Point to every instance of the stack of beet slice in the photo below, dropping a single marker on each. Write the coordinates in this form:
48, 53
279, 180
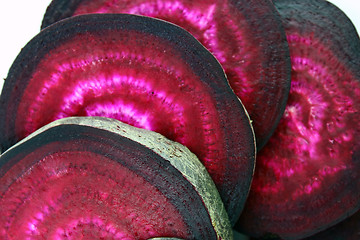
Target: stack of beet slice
98, 178
143, 71
179, 72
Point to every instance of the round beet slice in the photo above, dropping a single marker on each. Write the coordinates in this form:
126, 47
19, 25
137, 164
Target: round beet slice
247, 38
98, 178
307, 177
145, 72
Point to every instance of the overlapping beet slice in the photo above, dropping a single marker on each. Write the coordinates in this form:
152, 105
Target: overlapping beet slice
145, 72
247, 38
307, 177
98, 178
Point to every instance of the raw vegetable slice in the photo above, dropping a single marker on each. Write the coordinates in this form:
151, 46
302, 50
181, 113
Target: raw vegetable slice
98, 178
247, 38
145, 72
307, 177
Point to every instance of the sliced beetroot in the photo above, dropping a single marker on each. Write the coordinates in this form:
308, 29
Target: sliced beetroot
307, 177
247, 38
145, 72
98, 178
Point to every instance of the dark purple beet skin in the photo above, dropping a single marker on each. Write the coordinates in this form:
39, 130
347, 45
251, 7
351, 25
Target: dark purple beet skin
349, 229
247, 38
142, 71
73, 181
307, 176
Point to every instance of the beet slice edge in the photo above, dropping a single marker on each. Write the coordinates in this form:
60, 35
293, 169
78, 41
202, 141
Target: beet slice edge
349, 229
168, 166
307, 176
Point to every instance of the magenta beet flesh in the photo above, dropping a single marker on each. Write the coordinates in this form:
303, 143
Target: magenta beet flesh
307, 177
142, 71
82, 182
246, 37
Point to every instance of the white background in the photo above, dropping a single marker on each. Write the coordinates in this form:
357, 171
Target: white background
20, 21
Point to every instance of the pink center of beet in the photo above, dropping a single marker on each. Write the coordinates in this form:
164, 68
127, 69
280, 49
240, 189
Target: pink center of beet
306, 167
83, 195
133, 85
318, 125
213, 23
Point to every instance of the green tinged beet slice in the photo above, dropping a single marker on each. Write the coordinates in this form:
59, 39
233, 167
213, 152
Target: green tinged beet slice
247, 38
145, 72
98, 178
307, 177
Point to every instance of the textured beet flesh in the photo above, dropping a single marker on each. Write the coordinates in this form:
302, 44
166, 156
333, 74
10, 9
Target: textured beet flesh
80, 182
245, 36
307, 177
144, 72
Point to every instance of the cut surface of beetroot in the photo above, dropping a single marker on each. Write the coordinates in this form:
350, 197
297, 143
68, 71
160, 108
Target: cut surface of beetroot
307, 177
145, 72
246, 37
80, 178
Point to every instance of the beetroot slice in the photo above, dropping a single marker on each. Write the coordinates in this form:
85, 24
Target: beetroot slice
307, 177
97, 178
145, 72
246, 37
